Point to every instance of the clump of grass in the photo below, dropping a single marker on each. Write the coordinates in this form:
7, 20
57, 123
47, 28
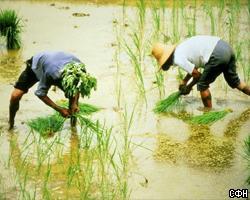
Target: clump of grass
247, 151
10, 28
209, 117
46, 126
169, 104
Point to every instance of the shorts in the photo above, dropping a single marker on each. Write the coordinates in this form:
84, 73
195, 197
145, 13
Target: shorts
27, 78
222, 60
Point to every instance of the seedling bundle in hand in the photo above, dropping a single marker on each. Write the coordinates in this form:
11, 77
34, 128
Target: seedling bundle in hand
85, 109
54, 123
209, 117
77, 80
169, 104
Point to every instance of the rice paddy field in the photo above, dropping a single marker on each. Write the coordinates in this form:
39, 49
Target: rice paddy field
122, 149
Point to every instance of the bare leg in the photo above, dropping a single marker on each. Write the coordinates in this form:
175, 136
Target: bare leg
72, 103
243, 87
206, 98
16, 96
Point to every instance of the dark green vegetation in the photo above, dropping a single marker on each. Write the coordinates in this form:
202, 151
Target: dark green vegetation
10, 27
75, 79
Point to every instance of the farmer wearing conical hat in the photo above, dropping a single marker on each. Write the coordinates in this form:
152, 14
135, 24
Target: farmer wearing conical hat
52, 68
211, 53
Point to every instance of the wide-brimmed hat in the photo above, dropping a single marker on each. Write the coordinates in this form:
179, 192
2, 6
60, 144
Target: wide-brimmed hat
162, 52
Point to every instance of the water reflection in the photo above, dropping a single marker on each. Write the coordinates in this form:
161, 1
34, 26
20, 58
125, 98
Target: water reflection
11, 62
50, 177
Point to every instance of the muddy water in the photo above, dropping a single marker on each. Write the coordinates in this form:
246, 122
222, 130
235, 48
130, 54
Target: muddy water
173, 161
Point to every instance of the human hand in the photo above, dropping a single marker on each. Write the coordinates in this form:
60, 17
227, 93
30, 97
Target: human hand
74, 109
65, 112
185, 90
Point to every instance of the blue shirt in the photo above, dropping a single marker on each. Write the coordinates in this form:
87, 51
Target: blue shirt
48, 66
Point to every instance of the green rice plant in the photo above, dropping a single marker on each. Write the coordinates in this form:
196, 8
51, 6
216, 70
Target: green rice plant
47, 125
137, 45
247, 156
209, 117
85, 109
220, 16
10, 27
188, 14
175, 22
45, 190
136, 63
208, 8
156, 15
86, 122
76, 80
169, 104
233, 21
157, 24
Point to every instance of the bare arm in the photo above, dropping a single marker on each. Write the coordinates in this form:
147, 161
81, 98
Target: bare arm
196, 76
186, 79
184, 88
63, 111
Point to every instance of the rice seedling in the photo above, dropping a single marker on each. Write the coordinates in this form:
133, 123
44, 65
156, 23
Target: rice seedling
118, 32
10, 27
169, 104
210, 12
220, 16
189, 17
46, 191
136, 63
85, 109
157, 24
47, 126
209, 117
76, 80
232, 21
175, 22
247, 156
136, 47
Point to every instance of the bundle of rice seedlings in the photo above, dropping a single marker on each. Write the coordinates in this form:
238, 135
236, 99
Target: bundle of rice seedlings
10, 28
85, 109
77, 80
46, 126
169, 104
209, 117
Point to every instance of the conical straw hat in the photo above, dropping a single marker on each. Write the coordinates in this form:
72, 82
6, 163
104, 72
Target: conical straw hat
162, 52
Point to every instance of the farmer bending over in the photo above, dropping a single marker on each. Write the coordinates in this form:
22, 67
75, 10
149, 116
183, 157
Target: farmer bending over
52, 68
211, 53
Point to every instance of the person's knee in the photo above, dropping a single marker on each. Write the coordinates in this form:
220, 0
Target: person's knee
202, 86
242, 86
16, 95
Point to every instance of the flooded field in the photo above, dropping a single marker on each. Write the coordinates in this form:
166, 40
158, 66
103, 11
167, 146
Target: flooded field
140, 154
